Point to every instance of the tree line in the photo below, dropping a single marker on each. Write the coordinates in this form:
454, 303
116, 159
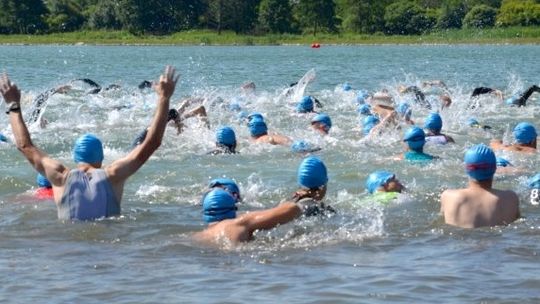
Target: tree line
259, 17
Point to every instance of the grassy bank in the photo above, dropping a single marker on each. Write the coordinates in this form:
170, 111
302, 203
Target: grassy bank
516, 35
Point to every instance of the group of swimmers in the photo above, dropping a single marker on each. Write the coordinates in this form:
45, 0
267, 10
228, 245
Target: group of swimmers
89, 191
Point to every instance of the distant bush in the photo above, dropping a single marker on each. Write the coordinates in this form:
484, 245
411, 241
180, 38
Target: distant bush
519, 12
480, 16
406, 18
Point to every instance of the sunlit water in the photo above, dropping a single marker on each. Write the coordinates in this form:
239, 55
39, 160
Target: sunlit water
364, 253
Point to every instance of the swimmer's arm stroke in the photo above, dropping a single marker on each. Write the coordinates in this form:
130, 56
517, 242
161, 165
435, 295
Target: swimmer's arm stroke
52, 169
121, 169
268, 219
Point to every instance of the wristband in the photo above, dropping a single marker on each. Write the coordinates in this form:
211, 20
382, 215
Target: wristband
13, 107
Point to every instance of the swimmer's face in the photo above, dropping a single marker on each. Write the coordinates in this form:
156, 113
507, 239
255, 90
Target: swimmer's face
393, 185
319, 127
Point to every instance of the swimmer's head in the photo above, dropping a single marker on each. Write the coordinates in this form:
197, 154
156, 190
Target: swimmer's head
369, 123
324, 120
305, 105
364, 109
225, 136
257, 128
383, 181
404, 110
534, 182
346, 87
302, 146
145, 84
480, 162
227, 184
235, 107
255, 115
433, 122
415, 139
218, 205
512, 100
3, 138
42, 181
173, 115
88, 149
312, 173
248, 86
525, 133
472, 122
502, 162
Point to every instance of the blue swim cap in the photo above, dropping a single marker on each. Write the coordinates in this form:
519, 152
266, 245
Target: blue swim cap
480, 162
404, 109
305, 105
524, 133
501, 162
433, 122
302, 146
312, 173
346, 87
257, 127
42, 181
324, 119
415, 138
369, 123
534, 182
3, 138
364, 109
226, 136
88, 149
255, 115
218, 205
512, 100
235, 107
377, 179
472, 122
226, 183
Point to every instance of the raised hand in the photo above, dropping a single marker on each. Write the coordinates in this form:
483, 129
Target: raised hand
9, 90
167, 83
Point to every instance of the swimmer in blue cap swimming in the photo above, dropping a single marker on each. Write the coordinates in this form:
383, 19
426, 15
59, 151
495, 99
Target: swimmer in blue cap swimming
259, 134
89, 192
415, 139
520, 100
3, 138
322, 123
44, 190
228, 185
384, 186
524, 137
433, 126
307, 104
404, 111
225, 141
302, 146
226, 227
479, 204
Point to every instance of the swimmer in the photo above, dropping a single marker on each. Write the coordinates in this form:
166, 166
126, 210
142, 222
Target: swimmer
219, 209
45, 190
525, 139
415, 139
364, 109
374, 126
306, 104
369, 124
479, 204
322, 123
362, 96
172, 116
473, 123
89, 192
405, 112
520, 100
3, 138
303, 147
419, 96
384, 186
433, 125
259, 134
475, 102
225, 141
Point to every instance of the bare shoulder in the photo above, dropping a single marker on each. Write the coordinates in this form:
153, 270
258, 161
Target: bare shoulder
452, 196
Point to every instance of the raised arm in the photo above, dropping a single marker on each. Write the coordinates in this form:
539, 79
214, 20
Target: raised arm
52, 169
121, 169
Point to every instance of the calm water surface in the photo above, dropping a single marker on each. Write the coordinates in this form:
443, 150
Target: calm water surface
366, 253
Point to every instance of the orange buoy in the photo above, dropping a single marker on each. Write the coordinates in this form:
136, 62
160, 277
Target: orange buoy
315, 45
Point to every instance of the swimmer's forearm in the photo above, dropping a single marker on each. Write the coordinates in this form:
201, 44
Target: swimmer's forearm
157, 127
20, 131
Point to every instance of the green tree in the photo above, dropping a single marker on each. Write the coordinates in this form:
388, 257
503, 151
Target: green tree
237, 15
316, 15
480, 16
275, 16
406, 18
452, 14
362, 16
23, 17
104, 15
522, 12
65, 16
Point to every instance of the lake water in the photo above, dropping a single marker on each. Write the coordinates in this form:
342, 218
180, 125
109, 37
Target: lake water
366, 253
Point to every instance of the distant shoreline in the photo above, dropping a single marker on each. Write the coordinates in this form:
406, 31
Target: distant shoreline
514, 35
